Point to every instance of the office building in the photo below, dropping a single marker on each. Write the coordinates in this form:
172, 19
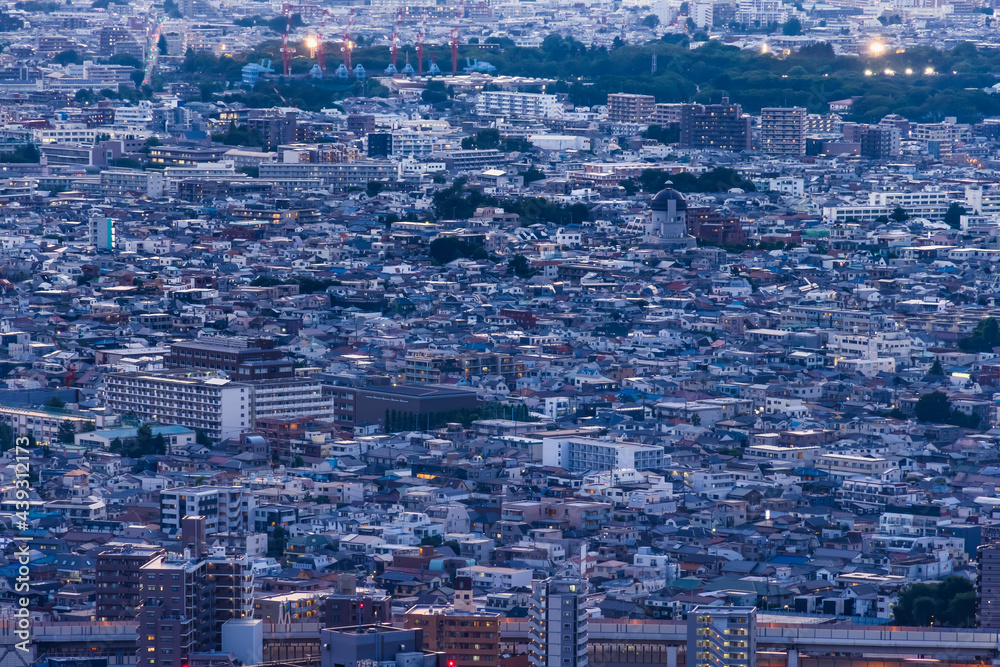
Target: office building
558, 623
591, 454
400, 404
205, 400
722, 637
226, 509
509, 104
723, 126
627, 108
988, 586
783, 131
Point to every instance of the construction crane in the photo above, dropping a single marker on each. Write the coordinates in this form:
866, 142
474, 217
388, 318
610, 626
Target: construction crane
347, 41
286, 50
394, 45
420, 45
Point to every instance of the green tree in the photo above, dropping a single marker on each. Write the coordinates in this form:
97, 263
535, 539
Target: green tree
202, 438
298, 461
933, 407
159, 444
953, 216
373, 188
449, 248
936, 368
434, 92
143, 436
55, 402
899, 214
651, 21
161, 45
67, 432
521, 267
6, 437
792, 27
984, 337
950, 602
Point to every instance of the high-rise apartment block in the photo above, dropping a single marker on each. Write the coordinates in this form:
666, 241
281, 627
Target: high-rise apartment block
226, 509
628, 108
517, 105
722, 637
722, 126
558, 623
205, 400
988, 586
783, 130
466, 638
179, 601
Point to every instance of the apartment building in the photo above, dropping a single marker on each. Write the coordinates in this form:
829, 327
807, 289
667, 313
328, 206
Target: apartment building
722, 637
205, 400
851, 465
988, 586
496, 578
509, 104
558, 627
44, 423
226, 509
586, 454
119, 581
723, 126
628, 108
783, 131
465, 637
430, 366
247, 359
336, 175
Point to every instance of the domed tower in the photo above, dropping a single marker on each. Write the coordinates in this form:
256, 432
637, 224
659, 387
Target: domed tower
668, 220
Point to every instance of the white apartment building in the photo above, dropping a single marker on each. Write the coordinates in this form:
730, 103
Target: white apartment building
867, 367
783, 130
205, 400
290, 398
851, 465
890, 344
517, 105
335, 175
583, 454
226, 509
408, 142
496, 578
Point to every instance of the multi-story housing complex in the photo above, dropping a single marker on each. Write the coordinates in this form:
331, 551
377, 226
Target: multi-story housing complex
723, 126
722, 637
557, 513
853, 465
201, 400
430, 366
243, 359
864, 321
226, 509
629, 108
988, 586
335, 175
466, 637
511, 104
586, 454
783, 130
187, 601
871, 495
557, 622
119, 581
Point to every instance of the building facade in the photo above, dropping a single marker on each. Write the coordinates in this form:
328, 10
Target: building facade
558, 623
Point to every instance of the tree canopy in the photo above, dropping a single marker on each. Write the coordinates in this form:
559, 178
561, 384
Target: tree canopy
951, 603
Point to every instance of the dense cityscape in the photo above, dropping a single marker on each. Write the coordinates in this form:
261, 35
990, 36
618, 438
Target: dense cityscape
499, 333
